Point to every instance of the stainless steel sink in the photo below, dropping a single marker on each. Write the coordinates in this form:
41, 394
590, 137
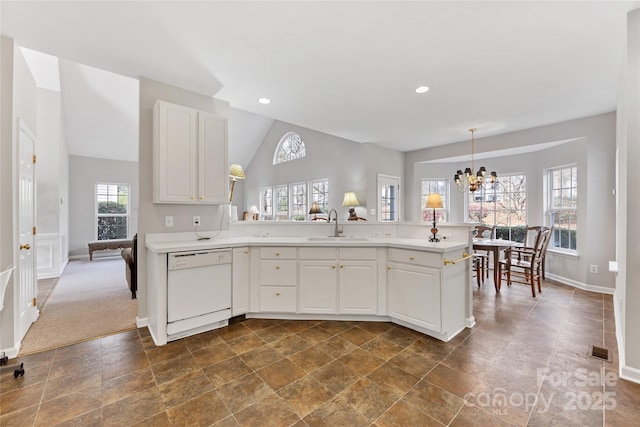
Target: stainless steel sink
338, 239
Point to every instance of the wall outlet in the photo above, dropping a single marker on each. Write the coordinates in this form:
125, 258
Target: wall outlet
196, 221
377, 234
387, 234
593, 268
446, 237
168, 221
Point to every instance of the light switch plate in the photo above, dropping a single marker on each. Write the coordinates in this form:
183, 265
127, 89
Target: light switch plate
168, 221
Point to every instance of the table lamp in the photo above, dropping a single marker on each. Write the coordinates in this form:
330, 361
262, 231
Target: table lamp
434, 201
351, 200
235, 173
315, 210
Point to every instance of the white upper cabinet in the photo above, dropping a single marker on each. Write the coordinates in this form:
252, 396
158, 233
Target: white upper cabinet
189, 155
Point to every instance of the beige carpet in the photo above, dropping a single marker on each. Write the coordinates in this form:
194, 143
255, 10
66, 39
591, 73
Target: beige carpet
90, 300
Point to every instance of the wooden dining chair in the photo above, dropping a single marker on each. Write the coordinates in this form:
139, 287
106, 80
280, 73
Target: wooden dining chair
523, 264
530, 235
484, 232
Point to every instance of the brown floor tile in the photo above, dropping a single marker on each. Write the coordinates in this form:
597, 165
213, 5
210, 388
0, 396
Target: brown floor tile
473, 416
336, 326
261, 357
393, 378
127, 385
561, 407
335, 376
273, 333
311, 359
382, 348
336, 413
290, 345
88, 361
181, 389
23, 417
315, 335
244, 391
272, 411
178, 367
297, 326
281, 373
401, 336
434, 401
158, 420
213, 354
204, 410
357, 336
167, 352
305, 395
234, 331
451, 380
376, 328
227, 371
257, 324
361, 362
246, 343
336, 347
413, 363
201, 341
69, 406
133, 409
402, 414
88, 419
369, 398
118, 367
21, 398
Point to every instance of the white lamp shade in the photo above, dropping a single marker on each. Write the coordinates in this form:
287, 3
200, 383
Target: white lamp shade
350, 199
236, 172
254, 210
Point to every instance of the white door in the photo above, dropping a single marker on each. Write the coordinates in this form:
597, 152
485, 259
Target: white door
388, 198
26, 296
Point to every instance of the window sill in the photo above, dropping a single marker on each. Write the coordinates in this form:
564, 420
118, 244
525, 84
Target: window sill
572, 255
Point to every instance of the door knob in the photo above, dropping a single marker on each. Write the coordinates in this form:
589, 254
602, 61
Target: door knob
26, 246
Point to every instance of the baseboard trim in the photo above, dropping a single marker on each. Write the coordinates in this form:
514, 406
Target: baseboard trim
580, 285
142, 322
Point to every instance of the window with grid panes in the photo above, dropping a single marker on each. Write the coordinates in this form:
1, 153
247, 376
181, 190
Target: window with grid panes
112, 211
439, 186
563, 207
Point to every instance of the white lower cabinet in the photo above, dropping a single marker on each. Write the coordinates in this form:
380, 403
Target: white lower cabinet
358, 281
414, 295
277, 280
318, 286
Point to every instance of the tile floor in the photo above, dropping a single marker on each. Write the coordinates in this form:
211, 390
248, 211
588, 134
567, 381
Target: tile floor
524, 363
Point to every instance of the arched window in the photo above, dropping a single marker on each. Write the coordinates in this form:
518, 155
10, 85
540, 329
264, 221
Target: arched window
290, 147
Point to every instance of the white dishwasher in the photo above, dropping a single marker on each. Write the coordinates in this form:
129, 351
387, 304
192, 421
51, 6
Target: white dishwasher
198, 292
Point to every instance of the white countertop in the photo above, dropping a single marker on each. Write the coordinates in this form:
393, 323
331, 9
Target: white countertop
160, 247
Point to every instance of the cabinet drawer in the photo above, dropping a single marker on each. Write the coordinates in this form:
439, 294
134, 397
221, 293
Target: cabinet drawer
277, 253
415, 257
318, 253
365, 254
278, 299
274, 272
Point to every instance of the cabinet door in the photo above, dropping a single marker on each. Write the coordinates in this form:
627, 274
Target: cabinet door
278, 299
414, 295
358, 287
175, 154
212, 159
240, 280
318, 280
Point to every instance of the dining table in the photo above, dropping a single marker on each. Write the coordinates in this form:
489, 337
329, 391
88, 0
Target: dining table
496, 246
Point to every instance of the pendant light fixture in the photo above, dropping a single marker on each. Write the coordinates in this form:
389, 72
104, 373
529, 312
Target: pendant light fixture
470, 178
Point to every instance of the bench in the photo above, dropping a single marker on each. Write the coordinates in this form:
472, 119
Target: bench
103, 245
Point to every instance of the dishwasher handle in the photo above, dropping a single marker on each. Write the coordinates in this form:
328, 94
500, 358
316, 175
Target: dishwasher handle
182, 260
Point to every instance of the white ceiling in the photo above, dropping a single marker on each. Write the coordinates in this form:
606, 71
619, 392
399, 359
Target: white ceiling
350, 68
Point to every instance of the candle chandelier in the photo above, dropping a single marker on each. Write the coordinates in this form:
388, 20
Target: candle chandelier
470, 178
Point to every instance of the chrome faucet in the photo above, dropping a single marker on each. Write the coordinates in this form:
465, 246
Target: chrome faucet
337, 231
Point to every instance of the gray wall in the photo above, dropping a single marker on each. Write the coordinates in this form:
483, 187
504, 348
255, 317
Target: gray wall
151, 216
348, 165
84, 174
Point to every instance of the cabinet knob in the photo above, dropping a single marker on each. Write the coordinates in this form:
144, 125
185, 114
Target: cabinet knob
333, 266
201, 198
192, 198
277, 267
342, 266
388, 267
246, 251
25, 246
277, 253
277, 294
411, 258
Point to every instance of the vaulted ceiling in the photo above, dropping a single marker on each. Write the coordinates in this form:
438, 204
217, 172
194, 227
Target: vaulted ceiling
350, 68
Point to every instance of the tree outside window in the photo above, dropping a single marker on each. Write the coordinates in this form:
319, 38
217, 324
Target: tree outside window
266, 203
112, 211
289, 148
319, 192
503, 205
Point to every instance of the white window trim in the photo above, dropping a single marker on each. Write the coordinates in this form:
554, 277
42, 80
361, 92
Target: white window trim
549, 211
393, 180
447, 195
285, 137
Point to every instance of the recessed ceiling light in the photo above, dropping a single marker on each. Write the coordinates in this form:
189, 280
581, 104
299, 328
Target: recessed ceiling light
264, 101
422, 89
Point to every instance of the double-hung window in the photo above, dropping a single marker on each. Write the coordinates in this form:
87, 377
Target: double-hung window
563, 207
112, 211
439, 186
266, 203
282, 202
299, 201
319, 193
503, 204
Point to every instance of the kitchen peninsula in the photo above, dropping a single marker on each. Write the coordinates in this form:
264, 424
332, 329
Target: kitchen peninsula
399, 278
